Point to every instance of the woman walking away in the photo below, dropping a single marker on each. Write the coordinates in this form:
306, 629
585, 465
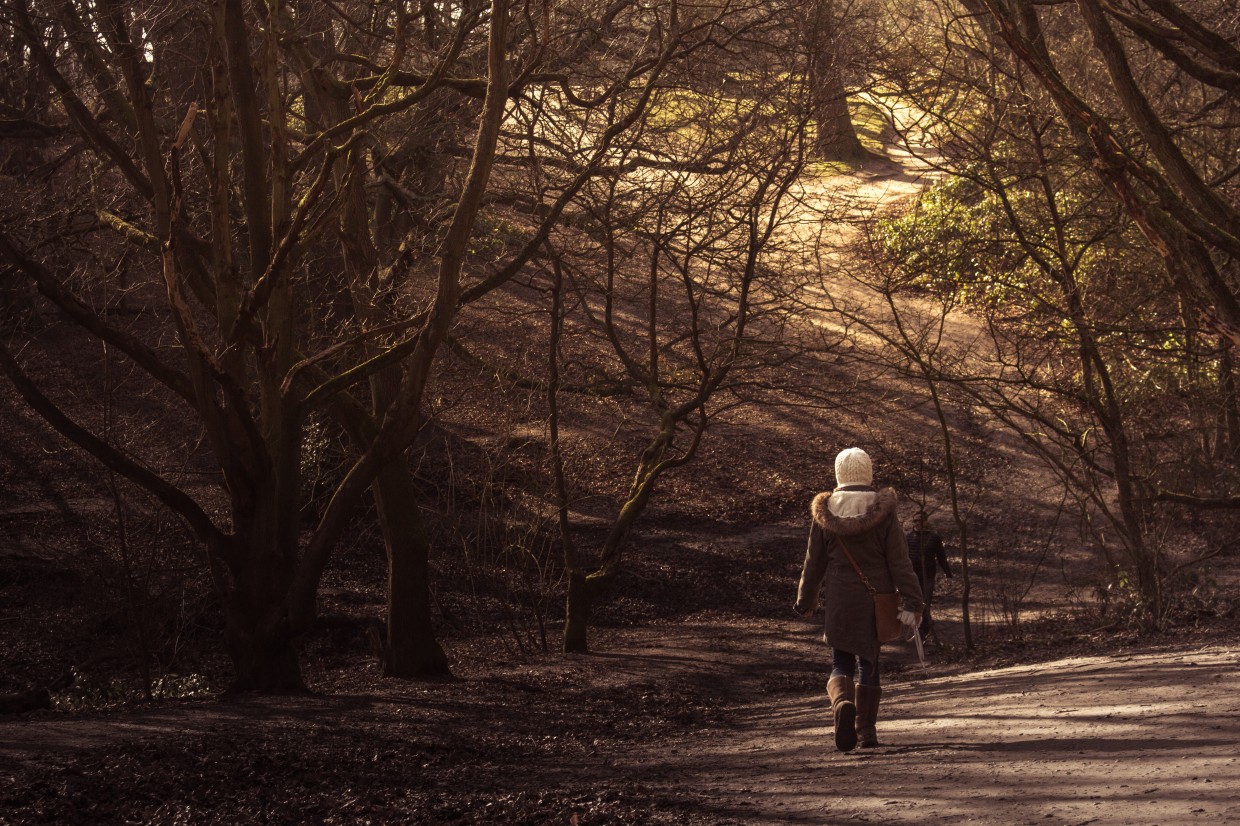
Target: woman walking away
858, 521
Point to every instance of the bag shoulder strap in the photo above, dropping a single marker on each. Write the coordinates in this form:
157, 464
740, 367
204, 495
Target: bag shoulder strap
864, 579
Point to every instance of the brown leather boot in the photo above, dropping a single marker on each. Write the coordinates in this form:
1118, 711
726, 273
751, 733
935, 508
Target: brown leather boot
867, 714
843, 711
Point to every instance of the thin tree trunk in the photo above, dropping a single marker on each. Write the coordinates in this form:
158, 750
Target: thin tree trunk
584, 591
577, 613
1227, 446
962, 526
577, 603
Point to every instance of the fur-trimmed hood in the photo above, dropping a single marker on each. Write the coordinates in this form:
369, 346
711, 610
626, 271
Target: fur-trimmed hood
883, 506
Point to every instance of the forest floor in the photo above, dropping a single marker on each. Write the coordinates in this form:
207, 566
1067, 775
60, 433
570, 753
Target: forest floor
701, 703
712, 719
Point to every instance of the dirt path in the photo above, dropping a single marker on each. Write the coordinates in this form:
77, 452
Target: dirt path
1147, 737
1143, 737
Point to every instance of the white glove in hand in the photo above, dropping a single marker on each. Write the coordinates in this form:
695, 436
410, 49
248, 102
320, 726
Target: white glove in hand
907, 618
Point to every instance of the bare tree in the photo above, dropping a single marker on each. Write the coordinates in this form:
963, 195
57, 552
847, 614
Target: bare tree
235, 280
1030, 237
667, 276
308, 198
1179, 189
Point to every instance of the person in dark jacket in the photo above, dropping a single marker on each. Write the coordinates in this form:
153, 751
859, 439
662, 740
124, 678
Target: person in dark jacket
855, 519
928, 556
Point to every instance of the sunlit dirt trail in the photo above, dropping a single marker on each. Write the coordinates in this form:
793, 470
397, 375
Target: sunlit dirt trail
1145, 737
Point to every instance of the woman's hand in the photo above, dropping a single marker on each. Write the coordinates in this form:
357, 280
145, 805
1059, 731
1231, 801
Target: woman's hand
907, 618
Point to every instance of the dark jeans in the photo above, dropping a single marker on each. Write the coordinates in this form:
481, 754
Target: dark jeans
844, 664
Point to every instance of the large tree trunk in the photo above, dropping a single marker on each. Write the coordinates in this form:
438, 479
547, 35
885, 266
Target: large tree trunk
265, 663
261, 640
411, 649
836, 138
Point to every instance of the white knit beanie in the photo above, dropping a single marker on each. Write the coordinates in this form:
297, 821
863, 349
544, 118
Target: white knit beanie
852, 467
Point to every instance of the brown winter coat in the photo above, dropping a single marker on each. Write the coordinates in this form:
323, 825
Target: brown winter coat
877, 544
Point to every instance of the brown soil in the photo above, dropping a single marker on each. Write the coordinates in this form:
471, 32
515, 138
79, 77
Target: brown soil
715, 719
